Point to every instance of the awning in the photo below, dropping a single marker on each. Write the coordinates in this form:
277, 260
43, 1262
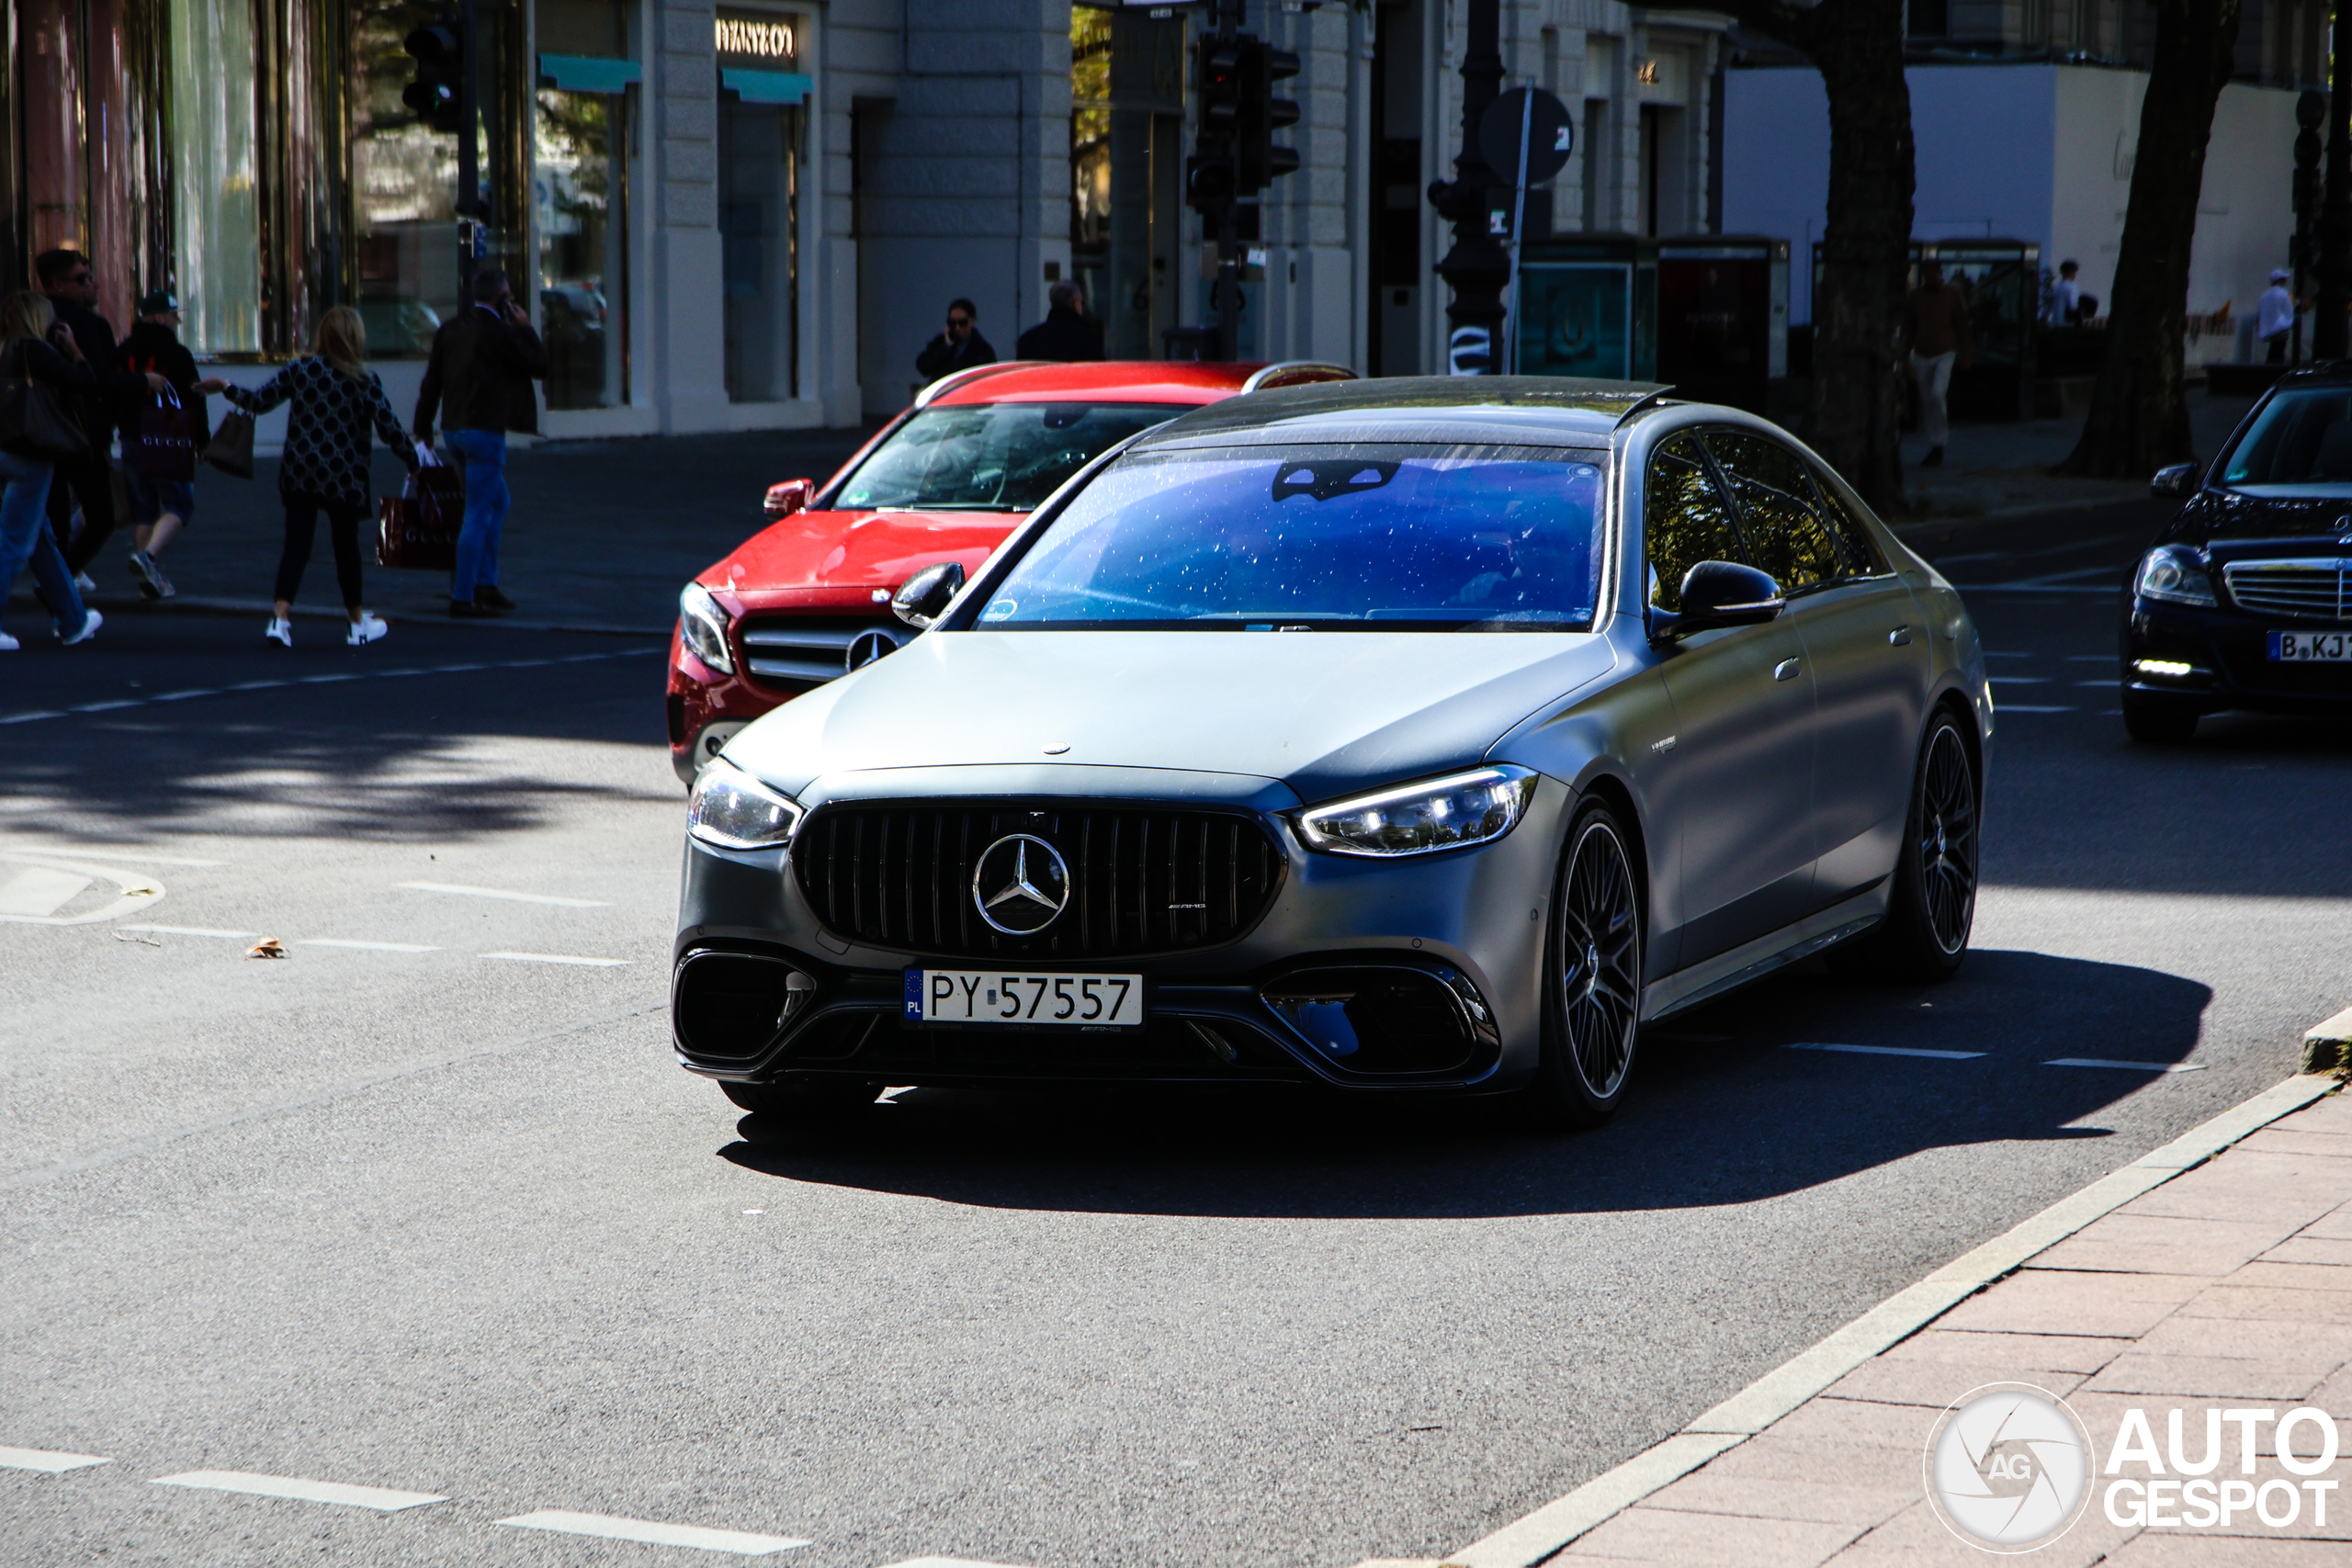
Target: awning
589, 73
766, 87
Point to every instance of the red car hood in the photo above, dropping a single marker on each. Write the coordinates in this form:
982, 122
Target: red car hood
825, 556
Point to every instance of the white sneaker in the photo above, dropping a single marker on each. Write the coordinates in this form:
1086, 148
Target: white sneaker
280, 631
8, 643
366, 629
91, 621
82, 581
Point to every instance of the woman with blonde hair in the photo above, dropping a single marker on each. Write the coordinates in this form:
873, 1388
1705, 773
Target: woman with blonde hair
336, 403
33, 348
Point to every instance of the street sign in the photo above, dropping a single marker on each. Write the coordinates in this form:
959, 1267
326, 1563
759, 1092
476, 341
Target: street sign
1551, 135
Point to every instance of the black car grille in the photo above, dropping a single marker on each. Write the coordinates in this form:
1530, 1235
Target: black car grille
1141, 880
792, 653
2305, 590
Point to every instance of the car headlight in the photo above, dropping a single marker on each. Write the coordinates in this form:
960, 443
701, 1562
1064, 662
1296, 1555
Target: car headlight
2174, 573
703, 624
1420, 818
735, 811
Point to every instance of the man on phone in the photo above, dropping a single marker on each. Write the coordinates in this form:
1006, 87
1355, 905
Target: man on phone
960, 347
88, 477
479, 377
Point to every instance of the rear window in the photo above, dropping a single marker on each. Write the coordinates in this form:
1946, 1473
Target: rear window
2299, 445
990, 456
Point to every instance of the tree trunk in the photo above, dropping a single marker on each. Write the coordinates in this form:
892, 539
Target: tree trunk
2139, 418
1865, 248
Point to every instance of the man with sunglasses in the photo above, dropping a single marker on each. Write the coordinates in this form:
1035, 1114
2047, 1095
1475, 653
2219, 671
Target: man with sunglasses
88, 478
960, 347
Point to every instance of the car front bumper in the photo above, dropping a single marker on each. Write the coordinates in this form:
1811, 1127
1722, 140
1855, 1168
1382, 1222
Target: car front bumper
2227, 650
1458, 935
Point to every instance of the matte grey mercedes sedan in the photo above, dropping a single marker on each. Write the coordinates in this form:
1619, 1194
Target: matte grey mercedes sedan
1406, 734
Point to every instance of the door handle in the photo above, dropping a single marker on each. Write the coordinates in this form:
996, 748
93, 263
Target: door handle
1899, 637
1786, 670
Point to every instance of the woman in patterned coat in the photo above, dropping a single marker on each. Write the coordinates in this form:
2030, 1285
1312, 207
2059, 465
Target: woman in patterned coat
337, 401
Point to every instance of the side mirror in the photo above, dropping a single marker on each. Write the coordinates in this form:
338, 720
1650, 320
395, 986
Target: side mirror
1719, 593
2177, 482
791, 496
924, 598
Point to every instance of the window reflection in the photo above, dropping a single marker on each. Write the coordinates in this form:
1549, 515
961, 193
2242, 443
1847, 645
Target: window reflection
216, 204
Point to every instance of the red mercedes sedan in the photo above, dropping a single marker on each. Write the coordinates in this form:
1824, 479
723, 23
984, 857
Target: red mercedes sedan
809, 598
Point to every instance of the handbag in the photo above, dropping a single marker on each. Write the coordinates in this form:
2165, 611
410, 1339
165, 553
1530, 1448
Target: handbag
33, 424
167, 445
231, 450
417, 530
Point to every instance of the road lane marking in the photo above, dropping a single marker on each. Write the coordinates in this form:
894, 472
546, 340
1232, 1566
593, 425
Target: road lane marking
364, 946
383, 1499
2134, 1066
192, 931
946, 1563
242, 686
133, 892
29, 718
2035, 707
109, 708
2020, 679
560, 958
49, 1461
40, 892
470, 891
1891, 1051
183, 696
76, 852
607, 1528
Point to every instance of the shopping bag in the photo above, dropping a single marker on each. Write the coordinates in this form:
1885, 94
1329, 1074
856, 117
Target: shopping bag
231, 450
417, 530
167, 445
34, 423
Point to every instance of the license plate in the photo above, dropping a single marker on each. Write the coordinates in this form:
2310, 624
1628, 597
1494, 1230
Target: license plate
2329, 647
1028, 1000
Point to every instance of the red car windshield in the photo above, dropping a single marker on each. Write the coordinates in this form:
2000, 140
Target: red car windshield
990, 456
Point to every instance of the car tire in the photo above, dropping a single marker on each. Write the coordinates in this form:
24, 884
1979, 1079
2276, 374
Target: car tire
1933, 905
804, 1101
2157, 721
1592, 979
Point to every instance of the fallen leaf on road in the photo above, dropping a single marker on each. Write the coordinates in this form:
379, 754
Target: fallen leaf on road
268, 947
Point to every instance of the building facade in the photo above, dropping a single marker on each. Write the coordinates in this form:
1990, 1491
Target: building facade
751, 214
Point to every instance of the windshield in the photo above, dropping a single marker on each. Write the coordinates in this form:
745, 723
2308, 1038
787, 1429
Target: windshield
992, 457
2299, 445
1385, 537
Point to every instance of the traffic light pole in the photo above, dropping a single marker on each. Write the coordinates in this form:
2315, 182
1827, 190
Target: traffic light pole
468, 161
1476, 268
1228, 14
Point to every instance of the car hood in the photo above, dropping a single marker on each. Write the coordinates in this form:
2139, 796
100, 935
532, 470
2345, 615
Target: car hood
2225, 518
1324, 712
858, 549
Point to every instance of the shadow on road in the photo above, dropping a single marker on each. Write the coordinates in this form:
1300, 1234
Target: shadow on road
1722, 1112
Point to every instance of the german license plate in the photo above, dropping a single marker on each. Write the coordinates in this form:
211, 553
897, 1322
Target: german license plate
1028, 1000
2329, 647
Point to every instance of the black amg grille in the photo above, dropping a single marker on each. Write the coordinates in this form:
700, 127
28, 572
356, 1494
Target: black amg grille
1141, 880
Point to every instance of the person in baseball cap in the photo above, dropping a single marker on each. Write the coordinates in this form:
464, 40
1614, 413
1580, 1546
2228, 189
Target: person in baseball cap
161, 504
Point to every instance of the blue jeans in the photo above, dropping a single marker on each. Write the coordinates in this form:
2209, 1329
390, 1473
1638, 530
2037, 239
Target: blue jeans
487, 499
25, 537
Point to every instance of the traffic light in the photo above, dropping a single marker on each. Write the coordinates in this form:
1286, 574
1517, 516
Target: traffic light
1210, 180
440, 52
1259, 162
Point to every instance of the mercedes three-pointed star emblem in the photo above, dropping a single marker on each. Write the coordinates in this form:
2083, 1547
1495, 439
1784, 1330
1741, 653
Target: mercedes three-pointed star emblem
867, 647
1021, 884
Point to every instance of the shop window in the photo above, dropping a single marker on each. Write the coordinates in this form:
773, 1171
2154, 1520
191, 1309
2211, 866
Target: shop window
762, 98
216, 207
581, 139
1126, 163
56, 176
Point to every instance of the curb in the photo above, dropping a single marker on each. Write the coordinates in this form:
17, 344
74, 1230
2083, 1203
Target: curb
2327, 1047
183, 603
1529, 1539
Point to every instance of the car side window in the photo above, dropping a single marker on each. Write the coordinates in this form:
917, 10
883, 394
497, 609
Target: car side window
1785, 534
1854, 541
1685, 519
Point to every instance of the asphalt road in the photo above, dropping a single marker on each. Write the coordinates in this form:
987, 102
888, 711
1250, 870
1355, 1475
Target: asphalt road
438, 1214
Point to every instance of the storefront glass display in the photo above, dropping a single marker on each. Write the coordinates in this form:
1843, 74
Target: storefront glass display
760, 95
581, 138
216, 205
1125, 161
51, 76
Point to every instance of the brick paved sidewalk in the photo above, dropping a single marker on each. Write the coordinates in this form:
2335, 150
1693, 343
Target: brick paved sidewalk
2230, 1284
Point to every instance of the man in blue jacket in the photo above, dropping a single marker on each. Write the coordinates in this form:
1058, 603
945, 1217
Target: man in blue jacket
485, 360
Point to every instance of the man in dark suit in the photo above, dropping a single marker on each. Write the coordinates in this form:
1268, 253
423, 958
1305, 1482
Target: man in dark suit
960, 347
88, 479
485, 360
1066, 333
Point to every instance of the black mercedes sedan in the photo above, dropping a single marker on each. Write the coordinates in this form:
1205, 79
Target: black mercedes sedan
2244, 600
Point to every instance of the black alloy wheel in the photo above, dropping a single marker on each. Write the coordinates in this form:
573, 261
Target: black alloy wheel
1593, 996
1932, 905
